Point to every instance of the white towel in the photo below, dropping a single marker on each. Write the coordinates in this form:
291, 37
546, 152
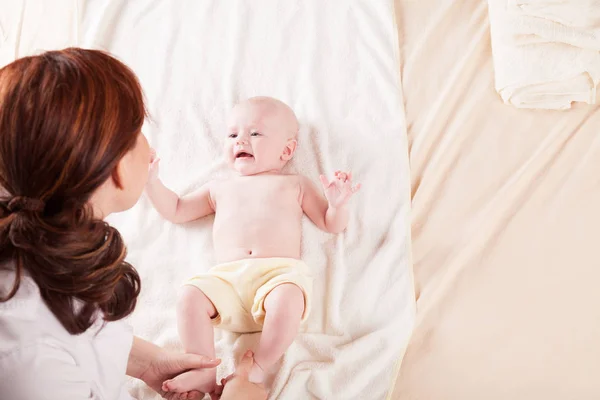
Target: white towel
574, 13
31, 26
573, 22
541, 63
335, 63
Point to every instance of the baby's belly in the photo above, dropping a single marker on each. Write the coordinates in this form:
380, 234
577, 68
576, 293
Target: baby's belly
238, 243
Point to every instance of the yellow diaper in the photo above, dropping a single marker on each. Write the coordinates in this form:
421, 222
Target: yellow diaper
238, 289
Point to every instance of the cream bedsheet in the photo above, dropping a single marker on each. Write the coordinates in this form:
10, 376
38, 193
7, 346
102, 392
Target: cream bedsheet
506, 219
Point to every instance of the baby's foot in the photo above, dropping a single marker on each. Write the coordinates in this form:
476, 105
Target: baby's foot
202, 380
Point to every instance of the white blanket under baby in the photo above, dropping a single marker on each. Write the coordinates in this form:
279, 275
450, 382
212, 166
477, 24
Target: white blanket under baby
335, 63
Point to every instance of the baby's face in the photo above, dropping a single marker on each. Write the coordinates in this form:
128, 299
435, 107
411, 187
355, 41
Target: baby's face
260, 138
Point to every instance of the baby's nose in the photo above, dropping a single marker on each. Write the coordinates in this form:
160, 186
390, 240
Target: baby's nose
241, 141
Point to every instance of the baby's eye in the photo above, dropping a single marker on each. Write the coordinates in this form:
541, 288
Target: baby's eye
255, 134
233, 135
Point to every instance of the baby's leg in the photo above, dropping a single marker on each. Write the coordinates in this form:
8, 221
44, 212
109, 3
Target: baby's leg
284, 307
194, 313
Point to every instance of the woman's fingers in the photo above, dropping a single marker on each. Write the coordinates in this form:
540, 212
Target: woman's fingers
245, 365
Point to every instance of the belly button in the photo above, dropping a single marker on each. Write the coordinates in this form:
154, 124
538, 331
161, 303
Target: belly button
249, 252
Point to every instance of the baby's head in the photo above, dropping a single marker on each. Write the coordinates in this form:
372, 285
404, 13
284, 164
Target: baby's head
261, 136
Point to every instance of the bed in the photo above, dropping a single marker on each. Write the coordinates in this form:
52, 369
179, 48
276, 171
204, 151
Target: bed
487, 290
504, 225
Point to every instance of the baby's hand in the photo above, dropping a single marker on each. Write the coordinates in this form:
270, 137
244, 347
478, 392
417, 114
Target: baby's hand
153, 166
340, 189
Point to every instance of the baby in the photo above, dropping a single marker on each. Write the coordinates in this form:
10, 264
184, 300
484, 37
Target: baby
260, 283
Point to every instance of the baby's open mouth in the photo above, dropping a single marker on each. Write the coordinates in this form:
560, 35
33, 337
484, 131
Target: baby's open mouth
243, 154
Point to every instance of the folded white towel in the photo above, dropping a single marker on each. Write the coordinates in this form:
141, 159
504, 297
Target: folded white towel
575, 13
531, 22
540, 63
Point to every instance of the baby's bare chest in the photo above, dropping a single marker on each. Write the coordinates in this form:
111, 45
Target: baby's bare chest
262, 196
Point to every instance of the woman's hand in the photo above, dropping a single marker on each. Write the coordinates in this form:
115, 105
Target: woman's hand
236, 386
172, 364
154, 365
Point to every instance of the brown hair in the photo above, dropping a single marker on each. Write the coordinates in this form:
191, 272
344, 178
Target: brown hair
66, 119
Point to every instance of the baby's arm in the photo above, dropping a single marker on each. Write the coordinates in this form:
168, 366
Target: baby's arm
328, 213
173, 208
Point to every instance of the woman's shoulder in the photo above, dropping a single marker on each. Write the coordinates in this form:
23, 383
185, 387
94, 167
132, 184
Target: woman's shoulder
39, 359
30, 344
26, 303
25, 318
41, 370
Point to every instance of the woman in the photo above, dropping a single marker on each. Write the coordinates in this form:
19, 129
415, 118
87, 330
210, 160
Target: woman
71, 153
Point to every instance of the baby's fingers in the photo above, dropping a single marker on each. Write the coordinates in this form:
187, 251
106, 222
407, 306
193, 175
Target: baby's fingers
342, 176
324, 181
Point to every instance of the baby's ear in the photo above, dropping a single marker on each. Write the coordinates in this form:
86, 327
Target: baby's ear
288, 151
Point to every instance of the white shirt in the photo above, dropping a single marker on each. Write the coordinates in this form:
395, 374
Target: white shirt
40, 360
